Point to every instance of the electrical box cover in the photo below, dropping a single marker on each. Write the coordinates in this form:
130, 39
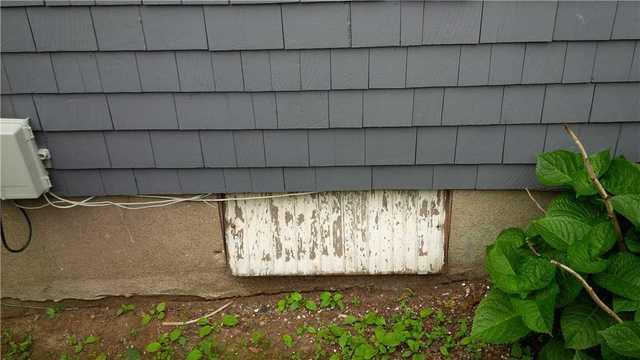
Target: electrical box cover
22, 172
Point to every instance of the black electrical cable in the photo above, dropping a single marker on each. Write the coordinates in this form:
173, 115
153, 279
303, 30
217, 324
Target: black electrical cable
4, 241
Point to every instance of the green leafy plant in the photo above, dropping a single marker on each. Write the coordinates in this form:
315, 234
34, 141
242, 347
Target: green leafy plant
125, 308
572, 277
331, 301
16, 349
207, 347
79, 344
259, 339
53, 311
158, 312
291, 302
407, 334
164, 347
229, 320
132, 354
287, 340
295, 301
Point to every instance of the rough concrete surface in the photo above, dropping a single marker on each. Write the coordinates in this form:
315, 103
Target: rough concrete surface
87, 253
477, 217
91, 252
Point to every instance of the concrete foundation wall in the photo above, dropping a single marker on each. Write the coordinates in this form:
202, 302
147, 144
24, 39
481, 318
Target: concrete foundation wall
88, 253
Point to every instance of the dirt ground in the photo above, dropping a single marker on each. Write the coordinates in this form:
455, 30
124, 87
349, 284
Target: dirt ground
94, 330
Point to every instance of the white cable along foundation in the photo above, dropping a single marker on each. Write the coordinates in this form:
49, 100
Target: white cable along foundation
63, 203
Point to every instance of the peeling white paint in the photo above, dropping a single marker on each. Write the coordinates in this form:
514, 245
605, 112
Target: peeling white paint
375, 232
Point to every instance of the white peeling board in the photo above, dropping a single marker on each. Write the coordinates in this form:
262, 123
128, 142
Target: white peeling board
374, 232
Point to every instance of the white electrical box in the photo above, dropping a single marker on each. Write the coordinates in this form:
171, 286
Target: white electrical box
22, 172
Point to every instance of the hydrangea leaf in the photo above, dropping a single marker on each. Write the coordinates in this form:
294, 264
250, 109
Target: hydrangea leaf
496, 321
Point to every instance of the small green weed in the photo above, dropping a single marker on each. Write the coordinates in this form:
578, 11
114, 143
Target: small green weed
164, 347
79, 344
125, 308
331, 301
17, 349
53, 311
259, 339
158, 312
327, 300
290, 302
407, 334
229, 320
206, 349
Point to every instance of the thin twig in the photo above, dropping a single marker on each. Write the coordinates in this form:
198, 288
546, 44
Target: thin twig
533, 249
180, 323
589, 290
535, 201
601, 191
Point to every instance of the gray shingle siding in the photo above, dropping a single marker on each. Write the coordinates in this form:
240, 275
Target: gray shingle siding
518, 21
270, 96
584, 20
322, 69
316, 26
492, 105
118, 27
451, 22
16, 31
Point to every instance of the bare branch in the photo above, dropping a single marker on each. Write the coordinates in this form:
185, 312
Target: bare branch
180, 323
535, 201
601, 191
589, 290
533, 249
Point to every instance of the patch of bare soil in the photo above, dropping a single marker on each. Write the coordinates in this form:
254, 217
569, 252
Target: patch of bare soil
444, 312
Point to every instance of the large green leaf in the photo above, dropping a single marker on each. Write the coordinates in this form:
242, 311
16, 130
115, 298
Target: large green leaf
580, 324
581, 260
601, 162
601, 238
624, 338
496, 321
581, 355
501, 265
570, 288
511, 237
557, 168
535, 273
632, 240
564, 168
537, 312
623, 177
516, 271
554, 350
608, 353
560, 231
582, 183
584, 255
513, 269
629, 206
621, 304
566, 205
622, 276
